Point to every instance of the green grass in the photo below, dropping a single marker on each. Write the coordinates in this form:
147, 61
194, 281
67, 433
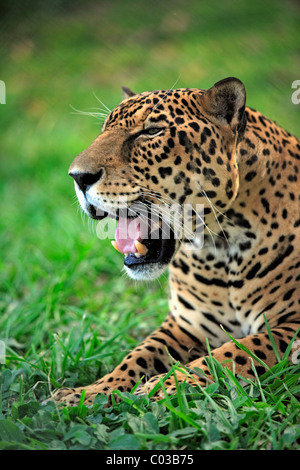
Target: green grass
68, 314
225, 415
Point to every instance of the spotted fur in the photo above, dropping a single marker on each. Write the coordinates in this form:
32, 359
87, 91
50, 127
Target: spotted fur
209, 149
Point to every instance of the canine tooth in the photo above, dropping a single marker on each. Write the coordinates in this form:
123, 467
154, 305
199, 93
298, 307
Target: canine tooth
115, 245
142, 249
137, 255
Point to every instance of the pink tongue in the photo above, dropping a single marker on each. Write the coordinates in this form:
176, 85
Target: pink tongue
128, 230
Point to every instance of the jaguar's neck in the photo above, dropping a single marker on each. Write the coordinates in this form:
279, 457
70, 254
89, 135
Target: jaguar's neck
267, 168
251, 239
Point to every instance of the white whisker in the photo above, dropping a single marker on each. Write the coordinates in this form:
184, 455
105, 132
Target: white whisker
218, 222
145, 218
98, 99
162, 211
165, 211
100, 116
212, 204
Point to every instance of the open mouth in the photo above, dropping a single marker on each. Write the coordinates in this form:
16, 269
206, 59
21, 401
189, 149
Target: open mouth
144, 240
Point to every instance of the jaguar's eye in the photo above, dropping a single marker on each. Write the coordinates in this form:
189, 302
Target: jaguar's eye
152, 130
149, 132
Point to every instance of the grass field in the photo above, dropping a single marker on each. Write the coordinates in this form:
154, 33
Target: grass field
68, 314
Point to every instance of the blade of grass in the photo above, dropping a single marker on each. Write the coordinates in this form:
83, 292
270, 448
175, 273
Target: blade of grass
271, 338
258, 380
238, 386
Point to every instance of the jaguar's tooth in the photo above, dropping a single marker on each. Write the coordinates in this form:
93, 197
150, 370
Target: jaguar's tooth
137, 255
142, 249
115, 245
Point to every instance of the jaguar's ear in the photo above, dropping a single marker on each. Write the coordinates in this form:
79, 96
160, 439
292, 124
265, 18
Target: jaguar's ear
224, 104
126, 93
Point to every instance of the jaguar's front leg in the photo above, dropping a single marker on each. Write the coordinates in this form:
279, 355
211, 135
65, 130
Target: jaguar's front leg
233, 357
152, 357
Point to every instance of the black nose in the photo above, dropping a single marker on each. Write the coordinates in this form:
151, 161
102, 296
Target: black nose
84, 180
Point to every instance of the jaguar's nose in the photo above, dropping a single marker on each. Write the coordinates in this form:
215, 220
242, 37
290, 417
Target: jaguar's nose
84, 180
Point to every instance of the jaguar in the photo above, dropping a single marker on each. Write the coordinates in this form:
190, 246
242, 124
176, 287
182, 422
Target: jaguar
234, 273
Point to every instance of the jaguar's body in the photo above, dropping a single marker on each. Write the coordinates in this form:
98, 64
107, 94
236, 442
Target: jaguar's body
192, 147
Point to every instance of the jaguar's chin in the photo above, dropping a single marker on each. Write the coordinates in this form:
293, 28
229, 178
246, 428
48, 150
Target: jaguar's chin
145, 272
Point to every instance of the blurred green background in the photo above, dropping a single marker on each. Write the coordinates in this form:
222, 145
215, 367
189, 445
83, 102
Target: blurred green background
62, 54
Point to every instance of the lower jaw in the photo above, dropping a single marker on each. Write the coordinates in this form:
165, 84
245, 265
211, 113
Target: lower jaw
140, 269
154, 263
145, 272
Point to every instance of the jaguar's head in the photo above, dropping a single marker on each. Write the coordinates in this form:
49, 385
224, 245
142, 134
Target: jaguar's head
160, 157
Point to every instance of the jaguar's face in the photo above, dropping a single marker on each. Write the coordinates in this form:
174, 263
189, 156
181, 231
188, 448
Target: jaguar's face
156, 158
